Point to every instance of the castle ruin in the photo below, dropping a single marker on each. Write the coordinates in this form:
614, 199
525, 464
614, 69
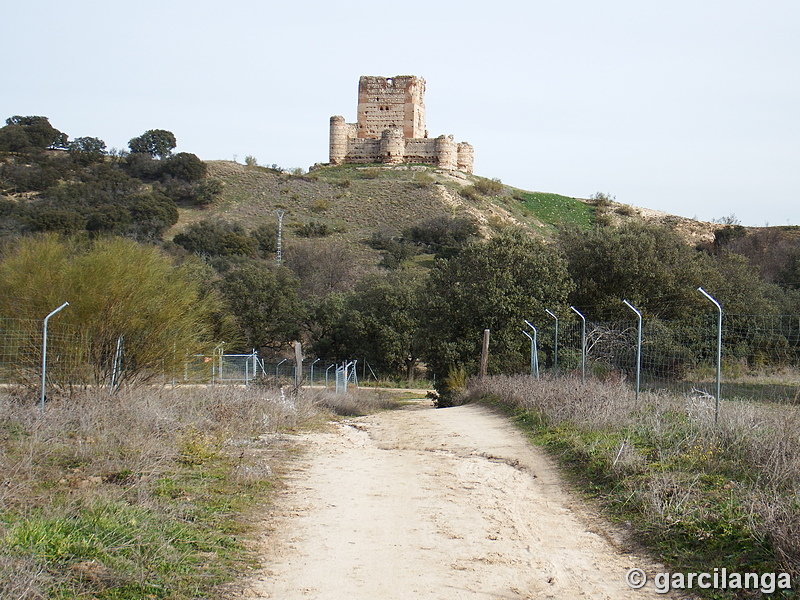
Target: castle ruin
391, 128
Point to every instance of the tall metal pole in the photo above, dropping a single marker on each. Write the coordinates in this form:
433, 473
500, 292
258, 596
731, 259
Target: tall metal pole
583, 344
555, 349
638, 347
719, 349
44, 351
280, 237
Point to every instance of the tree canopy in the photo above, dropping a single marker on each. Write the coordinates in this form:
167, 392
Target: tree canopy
30, 134
158, 143
492, 285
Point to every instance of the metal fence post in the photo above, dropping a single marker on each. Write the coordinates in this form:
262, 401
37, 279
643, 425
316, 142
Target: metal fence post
534, 351
44, 350
583, 344
638, 347
326, 374
117, 365
312, 370
719, 350
276, 370
555, 347
534, 360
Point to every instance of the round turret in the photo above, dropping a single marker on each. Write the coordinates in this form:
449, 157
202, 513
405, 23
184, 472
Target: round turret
466, 157
447, 152
338, 148
393, 146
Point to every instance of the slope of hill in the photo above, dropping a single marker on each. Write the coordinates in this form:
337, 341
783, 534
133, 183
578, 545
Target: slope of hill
354, 201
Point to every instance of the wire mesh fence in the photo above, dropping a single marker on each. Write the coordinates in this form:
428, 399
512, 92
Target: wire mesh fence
760, 353
21, 343
760, 357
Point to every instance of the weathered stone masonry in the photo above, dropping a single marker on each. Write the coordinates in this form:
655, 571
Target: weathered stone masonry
391, 128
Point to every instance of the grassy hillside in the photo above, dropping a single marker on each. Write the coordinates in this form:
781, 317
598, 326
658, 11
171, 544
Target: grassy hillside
354, 201
351, 202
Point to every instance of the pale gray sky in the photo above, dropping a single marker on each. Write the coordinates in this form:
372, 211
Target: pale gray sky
687, 106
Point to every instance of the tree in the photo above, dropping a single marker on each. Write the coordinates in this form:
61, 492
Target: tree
151, 214
489, 285
650, 265
208, 191
378, 321
185, 166
264, 302
87, 150
116, 289
444, 235
30, 134
266, 237
216, 238
323, 266
158, 143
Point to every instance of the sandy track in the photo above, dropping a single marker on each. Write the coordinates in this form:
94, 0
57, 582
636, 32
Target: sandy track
445, 504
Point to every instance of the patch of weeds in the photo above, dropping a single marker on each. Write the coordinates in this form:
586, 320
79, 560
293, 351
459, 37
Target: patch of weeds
312, 229
197, 447
488, 187
111, 549
320, 205
471, 193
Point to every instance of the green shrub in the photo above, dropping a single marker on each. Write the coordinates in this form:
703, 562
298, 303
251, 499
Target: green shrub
312, 229
116, 289
488, 187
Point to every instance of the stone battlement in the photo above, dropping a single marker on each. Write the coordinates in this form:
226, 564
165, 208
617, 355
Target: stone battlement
391, 128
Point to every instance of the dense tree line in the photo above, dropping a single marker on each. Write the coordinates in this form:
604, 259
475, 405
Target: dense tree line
49, 183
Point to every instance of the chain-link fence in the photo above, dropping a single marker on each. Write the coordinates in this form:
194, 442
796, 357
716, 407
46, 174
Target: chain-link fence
70, 363
760, 354
21, 343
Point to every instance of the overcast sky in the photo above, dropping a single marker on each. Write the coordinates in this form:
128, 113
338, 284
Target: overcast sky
687, 106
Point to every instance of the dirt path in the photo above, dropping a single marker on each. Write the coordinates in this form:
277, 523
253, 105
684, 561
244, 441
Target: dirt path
440, 504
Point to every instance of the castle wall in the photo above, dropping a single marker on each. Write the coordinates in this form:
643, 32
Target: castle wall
363, 151
421, 151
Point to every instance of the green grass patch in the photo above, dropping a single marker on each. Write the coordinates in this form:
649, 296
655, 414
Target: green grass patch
181, 545
555, 209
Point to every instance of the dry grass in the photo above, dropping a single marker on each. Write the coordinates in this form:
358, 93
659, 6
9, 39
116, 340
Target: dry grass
357, 402
145, 493
697, 491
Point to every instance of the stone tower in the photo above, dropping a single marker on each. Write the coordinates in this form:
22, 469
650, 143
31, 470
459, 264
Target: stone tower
391, 103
